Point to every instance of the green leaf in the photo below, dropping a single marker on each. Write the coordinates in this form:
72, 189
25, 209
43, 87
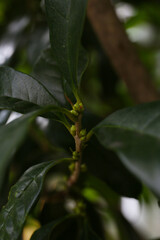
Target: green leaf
82, 63
22, 197
66, 20
12, 136
22, 93
44, 232
133, 133
88, 234
47, 72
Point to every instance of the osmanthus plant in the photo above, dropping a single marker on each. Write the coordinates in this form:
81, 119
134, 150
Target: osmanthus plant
53, 91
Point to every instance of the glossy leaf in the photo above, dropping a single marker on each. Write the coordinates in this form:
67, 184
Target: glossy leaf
133, 133
44, 232
22, 197
82, 63
46, 71
20, 92
12, 136
65, 19
88, 233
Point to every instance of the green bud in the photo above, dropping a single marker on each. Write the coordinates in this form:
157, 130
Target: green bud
83, 139
75, 155
83, 168
81, 106
83, 133
73, 130
75, 113
71, 167
76, 107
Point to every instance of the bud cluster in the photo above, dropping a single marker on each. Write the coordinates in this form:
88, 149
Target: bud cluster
83, 134
77, 109
75, 155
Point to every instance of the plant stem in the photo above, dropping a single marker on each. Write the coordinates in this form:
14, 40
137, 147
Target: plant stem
121, 51
78, 145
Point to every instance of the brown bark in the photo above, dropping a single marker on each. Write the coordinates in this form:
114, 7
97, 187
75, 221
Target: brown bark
120, 51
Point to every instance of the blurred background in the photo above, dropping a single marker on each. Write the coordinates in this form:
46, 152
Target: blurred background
24, 35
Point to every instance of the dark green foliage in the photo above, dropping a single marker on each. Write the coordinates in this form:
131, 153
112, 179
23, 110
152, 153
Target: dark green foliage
66, 23
22, 197
111, 170
11, 137
45, 232
87, 233
46, 71
130, 133
104, 156
18, 88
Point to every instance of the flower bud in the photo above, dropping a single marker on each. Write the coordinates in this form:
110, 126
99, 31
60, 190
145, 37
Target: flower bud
83, 139
75, 113
83, 133
75, 155
83, 168
76, 107
73, 130
71, 167
81, 106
